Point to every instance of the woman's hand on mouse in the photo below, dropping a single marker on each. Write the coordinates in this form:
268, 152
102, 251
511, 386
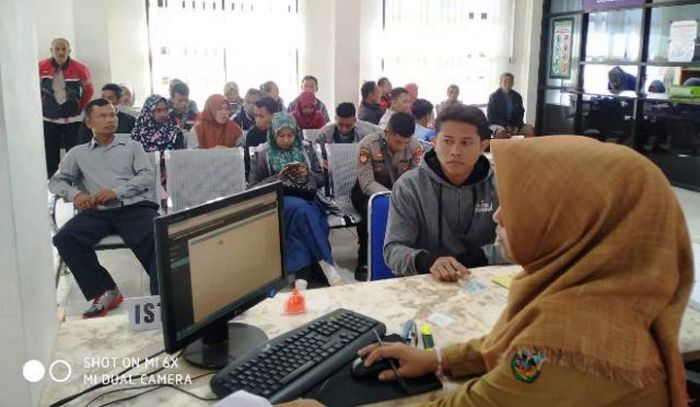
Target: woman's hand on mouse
413, 362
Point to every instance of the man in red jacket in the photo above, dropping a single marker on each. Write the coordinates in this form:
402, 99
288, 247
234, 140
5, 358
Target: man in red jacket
66, 88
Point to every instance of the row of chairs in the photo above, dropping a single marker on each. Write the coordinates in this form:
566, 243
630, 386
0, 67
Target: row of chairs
196, 176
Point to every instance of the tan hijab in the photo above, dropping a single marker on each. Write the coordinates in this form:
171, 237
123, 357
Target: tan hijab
606, 256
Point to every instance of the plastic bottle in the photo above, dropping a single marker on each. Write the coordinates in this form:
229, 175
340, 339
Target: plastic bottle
296, 304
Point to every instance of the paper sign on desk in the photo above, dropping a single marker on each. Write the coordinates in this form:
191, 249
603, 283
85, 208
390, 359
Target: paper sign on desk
695, 294
144, 313
503, 280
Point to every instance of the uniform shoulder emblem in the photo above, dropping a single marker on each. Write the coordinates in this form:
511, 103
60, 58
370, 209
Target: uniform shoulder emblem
526, 364
364, 155
418, 153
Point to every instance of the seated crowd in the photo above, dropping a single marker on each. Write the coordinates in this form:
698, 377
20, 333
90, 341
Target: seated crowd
445, 217
449, 179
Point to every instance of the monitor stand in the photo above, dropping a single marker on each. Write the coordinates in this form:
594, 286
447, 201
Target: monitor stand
222, 343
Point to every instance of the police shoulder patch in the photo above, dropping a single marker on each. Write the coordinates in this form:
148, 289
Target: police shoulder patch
526, 364
364, 155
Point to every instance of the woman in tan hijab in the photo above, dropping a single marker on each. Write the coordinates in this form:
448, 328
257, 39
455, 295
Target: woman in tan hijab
216, 130
594, 317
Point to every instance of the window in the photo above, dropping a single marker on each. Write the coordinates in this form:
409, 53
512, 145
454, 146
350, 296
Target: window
438, 42
661, 20
614, 35
207, 43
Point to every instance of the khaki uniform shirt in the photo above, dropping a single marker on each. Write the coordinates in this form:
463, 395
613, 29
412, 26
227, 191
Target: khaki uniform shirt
508, 384
376, 163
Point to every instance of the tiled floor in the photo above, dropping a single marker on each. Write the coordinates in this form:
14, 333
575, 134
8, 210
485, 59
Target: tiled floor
132, 281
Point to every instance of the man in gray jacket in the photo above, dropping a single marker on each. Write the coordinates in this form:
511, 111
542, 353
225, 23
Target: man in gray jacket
346, 128
441, 215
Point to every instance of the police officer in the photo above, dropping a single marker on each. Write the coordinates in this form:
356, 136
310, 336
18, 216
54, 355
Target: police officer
382, 158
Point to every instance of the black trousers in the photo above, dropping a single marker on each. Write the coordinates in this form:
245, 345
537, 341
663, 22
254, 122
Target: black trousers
55, 136
360, 201
75, 241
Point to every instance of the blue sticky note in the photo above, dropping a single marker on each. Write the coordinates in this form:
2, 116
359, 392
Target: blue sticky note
474, 287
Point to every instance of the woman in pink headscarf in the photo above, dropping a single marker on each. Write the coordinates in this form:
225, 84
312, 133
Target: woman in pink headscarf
306, 114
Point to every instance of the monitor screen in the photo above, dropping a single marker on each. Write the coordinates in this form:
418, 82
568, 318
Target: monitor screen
218, 260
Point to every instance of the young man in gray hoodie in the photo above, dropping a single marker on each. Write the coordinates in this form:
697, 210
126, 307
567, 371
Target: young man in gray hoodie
441, 215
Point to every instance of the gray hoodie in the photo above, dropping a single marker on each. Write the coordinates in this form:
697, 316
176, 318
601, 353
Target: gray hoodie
430, 217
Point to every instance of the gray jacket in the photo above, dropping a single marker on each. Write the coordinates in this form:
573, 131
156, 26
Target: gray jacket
362, 129
429, 214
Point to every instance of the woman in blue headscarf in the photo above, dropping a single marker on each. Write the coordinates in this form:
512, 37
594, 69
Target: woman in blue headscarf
284, 157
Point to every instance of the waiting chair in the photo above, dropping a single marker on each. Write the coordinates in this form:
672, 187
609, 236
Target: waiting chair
342, 169
191, 140
199, 176
378, 215
311, 134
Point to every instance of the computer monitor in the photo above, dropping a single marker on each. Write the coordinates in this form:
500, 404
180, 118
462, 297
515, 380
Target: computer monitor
214, 262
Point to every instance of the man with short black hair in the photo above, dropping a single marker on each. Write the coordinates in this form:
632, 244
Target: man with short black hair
441, 214
370, 109
264, 109
423, 114
310, 84
400, 102
246, 116
110, 179
183, 111
381, 159
385, 89
125, 122
66, 88
506, 111
346, 129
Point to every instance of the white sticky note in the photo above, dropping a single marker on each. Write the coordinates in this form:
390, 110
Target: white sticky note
440, 320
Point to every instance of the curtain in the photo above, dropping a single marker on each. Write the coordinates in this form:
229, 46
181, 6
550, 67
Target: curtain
435, 43
207, 43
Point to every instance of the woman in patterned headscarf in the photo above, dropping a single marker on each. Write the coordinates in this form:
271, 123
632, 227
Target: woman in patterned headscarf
594, 316
286, 158
155, 131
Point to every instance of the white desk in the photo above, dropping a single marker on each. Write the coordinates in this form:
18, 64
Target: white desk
391, 301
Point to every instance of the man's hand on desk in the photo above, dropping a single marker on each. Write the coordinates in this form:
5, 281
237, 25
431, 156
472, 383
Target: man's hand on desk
413, 361
448, 269
104, 196
84, 202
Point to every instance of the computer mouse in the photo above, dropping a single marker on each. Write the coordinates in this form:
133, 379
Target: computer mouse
359, 370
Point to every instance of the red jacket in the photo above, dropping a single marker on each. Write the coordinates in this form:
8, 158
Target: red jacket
385, 102
79, 88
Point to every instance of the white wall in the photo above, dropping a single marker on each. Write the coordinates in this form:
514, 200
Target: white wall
347, 51
370, 38
525, 65
27, 293
92, 39
54, 18
317, 51
128, 46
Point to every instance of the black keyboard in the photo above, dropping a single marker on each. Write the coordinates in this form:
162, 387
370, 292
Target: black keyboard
286, 367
